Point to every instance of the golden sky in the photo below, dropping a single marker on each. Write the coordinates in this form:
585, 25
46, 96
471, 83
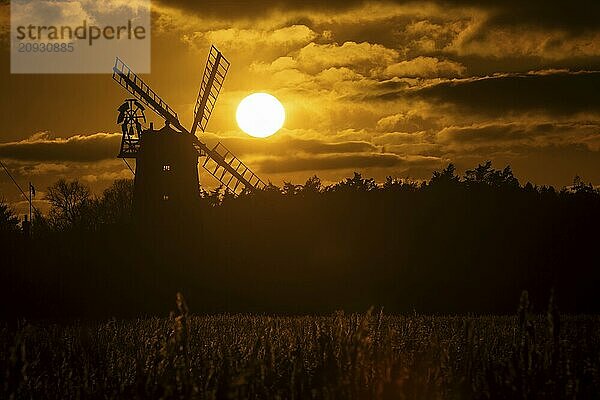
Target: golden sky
384, 88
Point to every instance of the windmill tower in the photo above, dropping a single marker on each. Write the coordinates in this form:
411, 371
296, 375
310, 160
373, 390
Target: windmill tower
166, 171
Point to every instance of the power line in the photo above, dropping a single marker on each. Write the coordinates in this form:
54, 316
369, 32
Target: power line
17, 185
13, 179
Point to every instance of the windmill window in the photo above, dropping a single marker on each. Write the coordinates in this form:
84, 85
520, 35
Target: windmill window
166, 167
165, 197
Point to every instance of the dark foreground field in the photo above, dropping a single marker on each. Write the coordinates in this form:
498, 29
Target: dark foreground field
340, 356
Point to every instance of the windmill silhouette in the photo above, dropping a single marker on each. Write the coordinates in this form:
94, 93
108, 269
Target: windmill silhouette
166, 172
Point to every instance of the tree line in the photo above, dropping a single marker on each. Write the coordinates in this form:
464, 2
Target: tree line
467, 243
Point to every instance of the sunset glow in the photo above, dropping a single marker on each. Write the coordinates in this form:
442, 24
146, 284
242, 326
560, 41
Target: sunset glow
385, 88
357, 199
260, 115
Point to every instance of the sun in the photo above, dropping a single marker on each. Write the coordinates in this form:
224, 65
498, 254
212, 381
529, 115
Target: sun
260, 115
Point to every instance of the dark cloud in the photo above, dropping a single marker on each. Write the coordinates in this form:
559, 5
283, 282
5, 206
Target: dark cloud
341, 161
245, 9
575, 16
557, 93
97, 147
411, 121
283, 144
517, 140
103, 146
481, 65
493, 133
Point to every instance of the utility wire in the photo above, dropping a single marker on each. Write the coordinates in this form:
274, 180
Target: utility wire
17, 185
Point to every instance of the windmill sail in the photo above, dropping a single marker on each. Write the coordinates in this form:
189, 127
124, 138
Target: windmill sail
225, 167
125, 77
219, 162
212, 82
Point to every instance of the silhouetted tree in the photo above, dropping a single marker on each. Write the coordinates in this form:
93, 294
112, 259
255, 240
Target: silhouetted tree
485, 174
548, 190
212, 197
290, 189
579, 186
445, 177
68, 200
312, 186
40, 224
479, 174
392, 184
272, 188
357, 184
529, 188
447, 245
9, 222
116, 202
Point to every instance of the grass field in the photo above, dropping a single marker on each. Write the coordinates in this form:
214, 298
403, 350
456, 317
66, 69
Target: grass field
340, 356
